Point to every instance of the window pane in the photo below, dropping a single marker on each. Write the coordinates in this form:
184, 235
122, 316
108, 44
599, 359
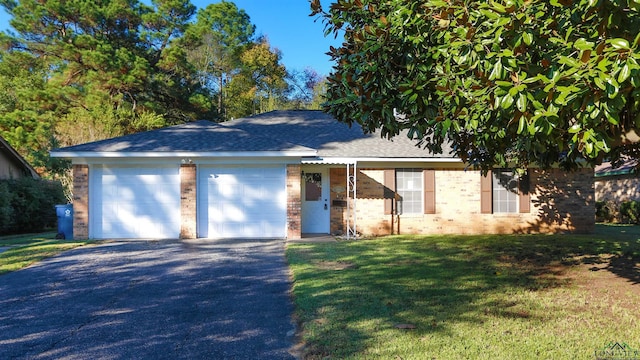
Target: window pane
505, 192
312, 186
409, 188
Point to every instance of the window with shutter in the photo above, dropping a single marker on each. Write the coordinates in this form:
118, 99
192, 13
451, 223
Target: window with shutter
501, 191
409, 191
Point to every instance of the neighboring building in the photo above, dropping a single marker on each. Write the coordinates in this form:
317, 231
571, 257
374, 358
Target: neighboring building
12, 165
287, 173
617, 184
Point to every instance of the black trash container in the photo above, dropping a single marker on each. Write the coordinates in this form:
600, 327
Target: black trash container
65, 221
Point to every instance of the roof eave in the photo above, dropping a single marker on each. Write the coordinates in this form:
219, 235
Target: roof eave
614, 173
352, 160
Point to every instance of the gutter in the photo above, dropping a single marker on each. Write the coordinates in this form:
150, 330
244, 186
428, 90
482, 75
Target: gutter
353, 160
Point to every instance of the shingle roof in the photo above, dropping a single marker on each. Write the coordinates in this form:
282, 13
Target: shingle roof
331, 138
628, 166
198, 136
291, 130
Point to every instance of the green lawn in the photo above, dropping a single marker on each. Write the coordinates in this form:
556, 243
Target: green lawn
469, 297
24, 250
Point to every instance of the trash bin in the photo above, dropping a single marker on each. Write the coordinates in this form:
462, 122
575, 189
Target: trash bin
65, 221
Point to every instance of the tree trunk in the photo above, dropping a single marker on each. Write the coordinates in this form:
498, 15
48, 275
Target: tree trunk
220, 95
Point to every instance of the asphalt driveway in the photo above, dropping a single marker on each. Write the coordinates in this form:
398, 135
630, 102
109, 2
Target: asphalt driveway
195, 299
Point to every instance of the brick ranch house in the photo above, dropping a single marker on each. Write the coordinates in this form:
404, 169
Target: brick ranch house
283, 174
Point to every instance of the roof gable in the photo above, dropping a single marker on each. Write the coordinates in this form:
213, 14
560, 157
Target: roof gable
11, 155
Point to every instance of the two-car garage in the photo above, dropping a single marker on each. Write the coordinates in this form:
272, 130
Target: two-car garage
144, 201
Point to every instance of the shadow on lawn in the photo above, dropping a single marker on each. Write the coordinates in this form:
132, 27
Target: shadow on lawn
625, 267
615, 248
386, 291
624, 243
344, 290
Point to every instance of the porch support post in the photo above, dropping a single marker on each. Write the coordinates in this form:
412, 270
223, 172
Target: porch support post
348, 200
352, 186
355, 199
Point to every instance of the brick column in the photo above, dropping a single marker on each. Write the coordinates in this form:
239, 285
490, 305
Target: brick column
337, 180
80, 202
188, 200
294, 202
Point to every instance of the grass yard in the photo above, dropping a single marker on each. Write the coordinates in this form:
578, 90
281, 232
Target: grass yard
23, 250
469, 297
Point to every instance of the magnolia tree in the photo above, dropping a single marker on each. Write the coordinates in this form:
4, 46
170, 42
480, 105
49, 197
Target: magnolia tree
504, 83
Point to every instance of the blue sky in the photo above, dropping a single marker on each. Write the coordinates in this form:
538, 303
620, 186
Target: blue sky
288, 26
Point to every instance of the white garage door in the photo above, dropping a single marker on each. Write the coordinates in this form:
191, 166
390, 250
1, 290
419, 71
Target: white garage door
140, 202
247, 202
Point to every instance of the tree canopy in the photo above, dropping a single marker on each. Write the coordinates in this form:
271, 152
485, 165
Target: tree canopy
508, 83
78, 71
224, 33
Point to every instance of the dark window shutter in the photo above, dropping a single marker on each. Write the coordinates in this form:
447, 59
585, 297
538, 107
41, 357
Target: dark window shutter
486, 201
524, 193
429, 191
389, 191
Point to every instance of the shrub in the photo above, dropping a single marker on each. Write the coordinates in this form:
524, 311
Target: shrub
28, 205
630, 212
605, 211
6, 210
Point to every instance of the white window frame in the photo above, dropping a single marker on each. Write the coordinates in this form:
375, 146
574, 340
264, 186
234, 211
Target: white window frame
505, 197
410, 185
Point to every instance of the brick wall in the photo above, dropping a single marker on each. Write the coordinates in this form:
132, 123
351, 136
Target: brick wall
560, 202
294, 202
618, 188
338, 188
80, 202
188, 201
564, 201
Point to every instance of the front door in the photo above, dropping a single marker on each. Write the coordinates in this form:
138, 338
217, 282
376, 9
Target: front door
315, 201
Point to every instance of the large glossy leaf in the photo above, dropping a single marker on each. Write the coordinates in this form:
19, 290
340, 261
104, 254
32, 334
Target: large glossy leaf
557, 75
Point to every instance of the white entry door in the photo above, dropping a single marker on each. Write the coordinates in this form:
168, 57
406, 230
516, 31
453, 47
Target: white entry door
242, 202
315, 201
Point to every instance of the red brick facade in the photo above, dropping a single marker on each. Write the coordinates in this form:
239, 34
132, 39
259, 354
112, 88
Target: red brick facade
294, 204
80, 202
188, 201
618, 188
558, 202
